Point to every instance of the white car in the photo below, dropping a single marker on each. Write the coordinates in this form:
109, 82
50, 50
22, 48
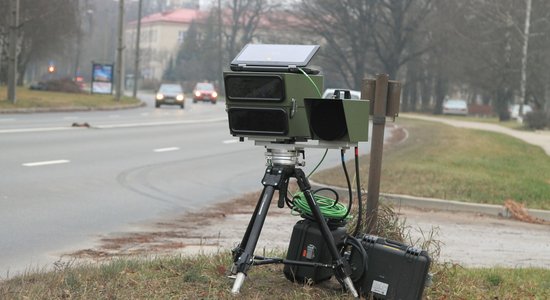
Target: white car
329, 93
455, 107
514, 110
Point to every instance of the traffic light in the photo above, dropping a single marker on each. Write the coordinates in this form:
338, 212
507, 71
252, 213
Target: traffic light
51, 69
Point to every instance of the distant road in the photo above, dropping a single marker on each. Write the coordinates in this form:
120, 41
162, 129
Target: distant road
62, 187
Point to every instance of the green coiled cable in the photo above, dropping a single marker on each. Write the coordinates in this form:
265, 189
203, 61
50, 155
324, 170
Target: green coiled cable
329, 207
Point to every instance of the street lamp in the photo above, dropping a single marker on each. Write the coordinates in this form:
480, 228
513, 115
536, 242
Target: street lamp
12, 50
120, 48
81, 32
136, 63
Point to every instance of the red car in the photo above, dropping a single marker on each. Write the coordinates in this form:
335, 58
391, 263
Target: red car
205, 91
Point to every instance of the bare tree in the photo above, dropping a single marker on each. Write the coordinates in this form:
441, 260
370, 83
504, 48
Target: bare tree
397, 24
344, 28
45, 27
361, 37
241, 18
484, 53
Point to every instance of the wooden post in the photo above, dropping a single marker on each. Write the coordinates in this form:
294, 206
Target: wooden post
384, 95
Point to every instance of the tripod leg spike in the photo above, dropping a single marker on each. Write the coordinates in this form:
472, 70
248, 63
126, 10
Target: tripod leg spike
238, 283
351, 288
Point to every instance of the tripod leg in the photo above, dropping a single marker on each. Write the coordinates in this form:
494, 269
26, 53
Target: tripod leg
244, 261
239, 249
342, 269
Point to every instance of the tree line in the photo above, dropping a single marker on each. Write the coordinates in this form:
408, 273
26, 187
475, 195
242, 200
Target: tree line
473, 49
438, 49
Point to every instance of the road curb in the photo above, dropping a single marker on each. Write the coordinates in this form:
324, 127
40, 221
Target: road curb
446, 205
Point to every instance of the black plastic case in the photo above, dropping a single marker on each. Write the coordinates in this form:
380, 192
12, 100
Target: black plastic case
395, 270
307, 244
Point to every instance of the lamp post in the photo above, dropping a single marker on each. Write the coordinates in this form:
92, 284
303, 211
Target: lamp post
87, 13
12, 50
136, 63
120, 48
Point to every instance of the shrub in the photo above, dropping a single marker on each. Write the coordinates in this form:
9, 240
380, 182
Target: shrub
64, 85
537, 120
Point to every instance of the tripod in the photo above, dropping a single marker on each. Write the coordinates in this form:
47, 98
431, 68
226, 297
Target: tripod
281, 167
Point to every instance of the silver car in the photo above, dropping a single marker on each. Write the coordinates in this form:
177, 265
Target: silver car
171, 94
455, 107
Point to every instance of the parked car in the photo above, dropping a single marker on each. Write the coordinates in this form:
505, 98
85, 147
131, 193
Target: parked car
329, 93
205, 91
170, 93
514, 110
455, 107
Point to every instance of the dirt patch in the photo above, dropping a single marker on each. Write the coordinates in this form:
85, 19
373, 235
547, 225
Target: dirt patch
218, 229
467, 239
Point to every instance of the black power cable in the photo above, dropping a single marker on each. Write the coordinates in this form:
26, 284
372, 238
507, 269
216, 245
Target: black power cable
342, 154
360, 204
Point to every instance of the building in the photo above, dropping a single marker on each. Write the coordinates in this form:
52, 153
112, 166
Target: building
161, 35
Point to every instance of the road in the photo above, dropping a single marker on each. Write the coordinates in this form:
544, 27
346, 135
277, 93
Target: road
62, 186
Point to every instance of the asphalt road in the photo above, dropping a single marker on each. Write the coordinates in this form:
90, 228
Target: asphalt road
61, 186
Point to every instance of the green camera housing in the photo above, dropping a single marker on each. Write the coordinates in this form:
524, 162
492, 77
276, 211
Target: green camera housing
270, 105
338, 120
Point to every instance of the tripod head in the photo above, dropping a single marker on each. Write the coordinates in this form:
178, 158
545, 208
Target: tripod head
288, 154
284, 157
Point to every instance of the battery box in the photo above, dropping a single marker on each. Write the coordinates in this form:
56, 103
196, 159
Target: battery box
308, 245
395, 270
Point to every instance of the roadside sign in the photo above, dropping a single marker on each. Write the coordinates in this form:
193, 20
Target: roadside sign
102, 78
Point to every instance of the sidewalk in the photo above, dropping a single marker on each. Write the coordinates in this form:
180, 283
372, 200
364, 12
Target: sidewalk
537, 138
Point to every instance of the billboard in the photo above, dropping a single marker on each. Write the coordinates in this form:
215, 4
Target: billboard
102, 78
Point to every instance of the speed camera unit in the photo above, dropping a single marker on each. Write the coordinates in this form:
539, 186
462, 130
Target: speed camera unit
271, 95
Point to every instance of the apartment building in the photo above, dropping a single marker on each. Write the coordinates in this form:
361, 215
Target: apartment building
161, 35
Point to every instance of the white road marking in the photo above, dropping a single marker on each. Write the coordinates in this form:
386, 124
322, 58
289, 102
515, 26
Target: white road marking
160, 123
7, 120
45, 163
71, 118
18, 130
112, 126
114, 116
166, 149
232, 141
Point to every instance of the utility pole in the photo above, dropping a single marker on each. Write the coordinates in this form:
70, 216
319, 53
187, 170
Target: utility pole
118, 77
136, 63
12, 50
78, 42
524, 52
220, 53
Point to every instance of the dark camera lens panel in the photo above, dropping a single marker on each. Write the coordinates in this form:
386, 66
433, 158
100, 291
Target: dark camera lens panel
254, 88
261, 121
327, 119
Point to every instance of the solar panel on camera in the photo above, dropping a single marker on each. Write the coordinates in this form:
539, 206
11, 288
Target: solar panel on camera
274, 58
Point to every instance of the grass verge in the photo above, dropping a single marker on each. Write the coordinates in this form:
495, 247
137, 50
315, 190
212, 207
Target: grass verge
43, 99
444, 162
204, 277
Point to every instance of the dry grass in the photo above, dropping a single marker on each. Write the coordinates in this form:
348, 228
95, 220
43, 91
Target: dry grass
204, 277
